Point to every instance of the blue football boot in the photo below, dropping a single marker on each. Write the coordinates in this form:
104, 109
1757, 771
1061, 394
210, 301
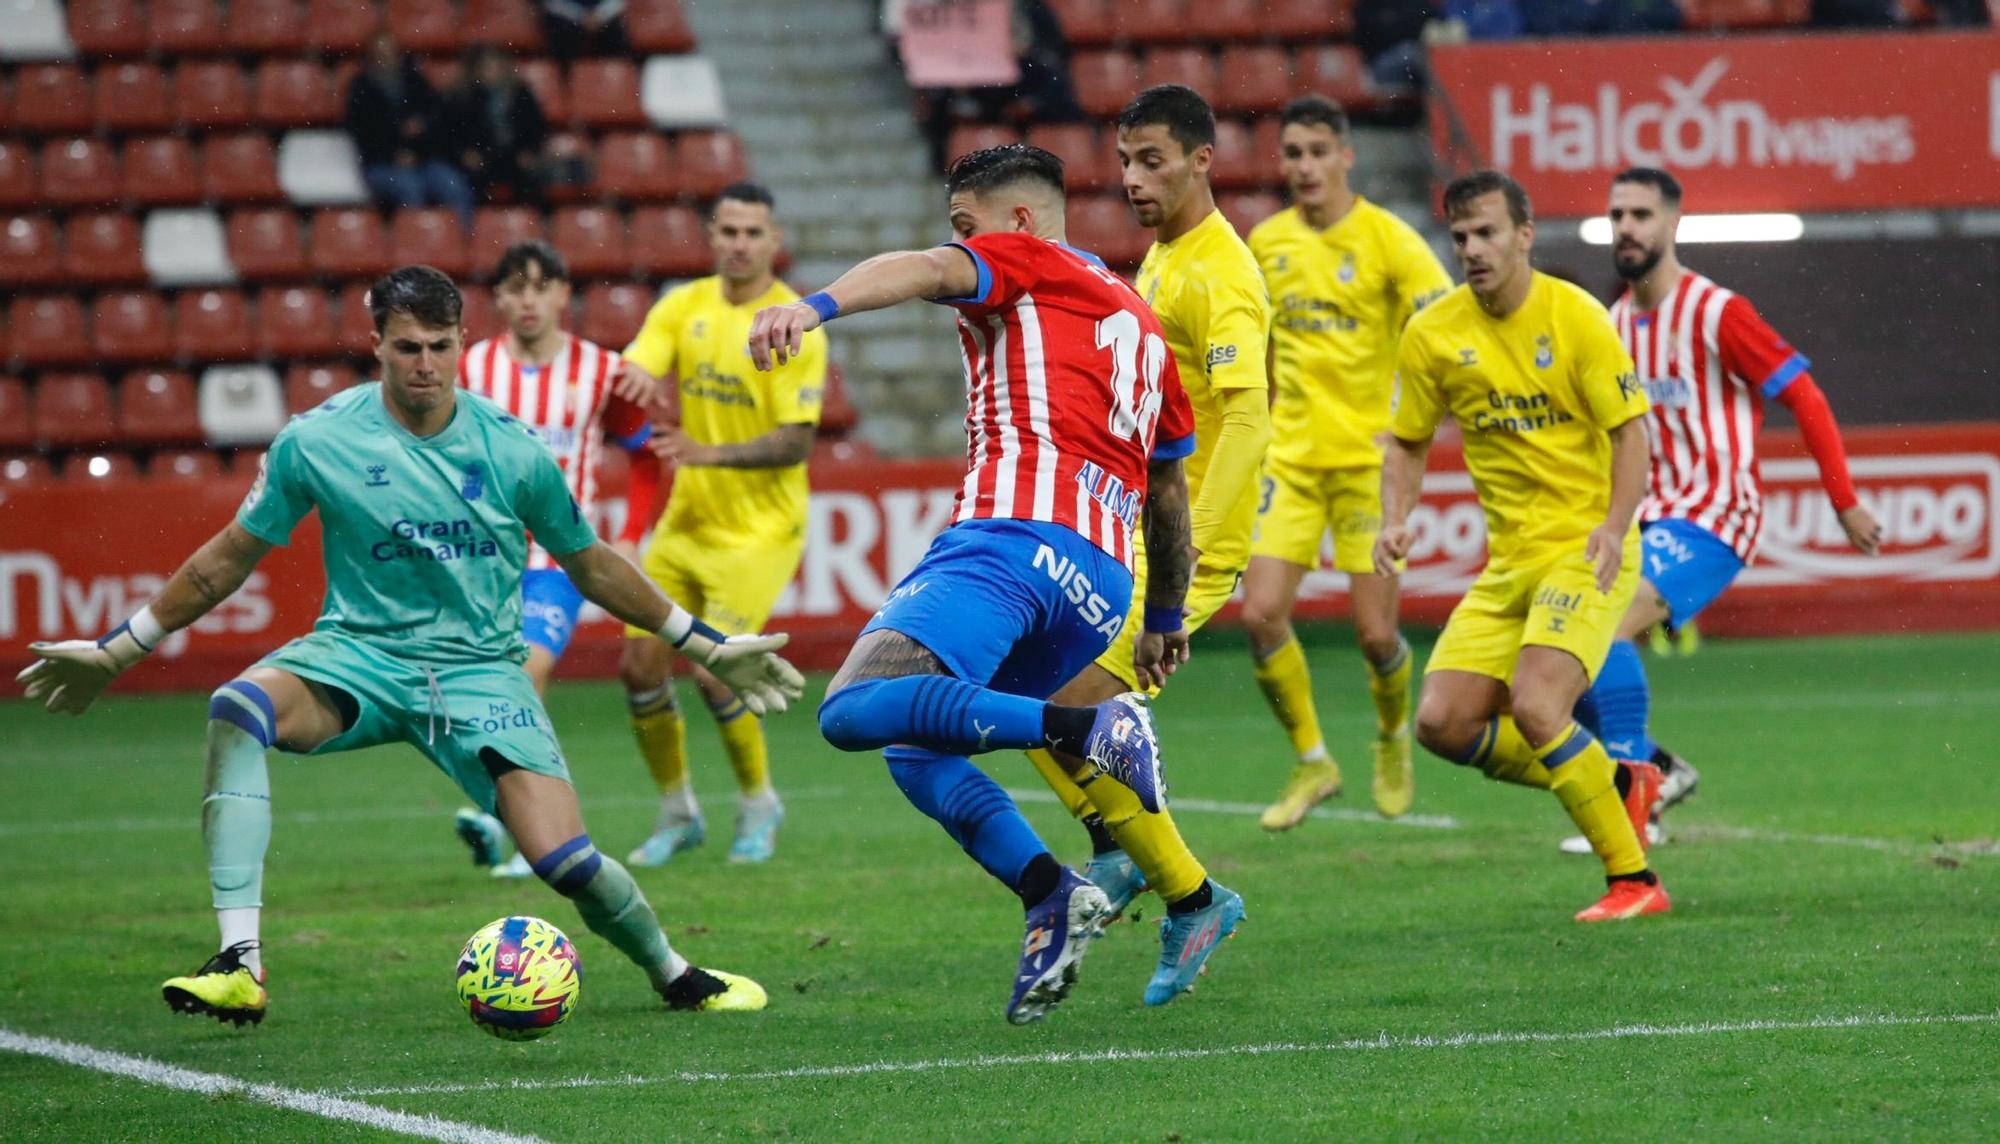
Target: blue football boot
1060, 929
1187, 940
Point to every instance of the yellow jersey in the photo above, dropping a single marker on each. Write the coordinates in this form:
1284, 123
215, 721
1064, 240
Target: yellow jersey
1211, 302
1535, 394
1341, 296
696, 333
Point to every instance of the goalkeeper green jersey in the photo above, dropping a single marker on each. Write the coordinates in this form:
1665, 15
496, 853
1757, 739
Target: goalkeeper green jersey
425, 537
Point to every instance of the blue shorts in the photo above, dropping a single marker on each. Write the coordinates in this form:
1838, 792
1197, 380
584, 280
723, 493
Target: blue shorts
550, 605
1688, 565
1018, 606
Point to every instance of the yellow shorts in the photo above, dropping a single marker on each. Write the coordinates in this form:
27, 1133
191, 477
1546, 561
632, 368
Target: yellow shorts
1299, 505
1210, 589
1551, 602
731, 589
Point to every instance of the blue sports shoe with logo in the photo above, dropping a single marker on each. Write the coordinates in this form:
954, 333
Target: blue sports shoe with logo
1122, 746
1118, 876
1187, 940
1060, 930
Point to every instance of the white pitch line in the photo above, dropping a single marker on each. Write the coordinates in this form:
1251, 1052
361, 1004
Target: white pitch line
1983, 697
321, 1104
1377, 1043
1211, 806
1983, 848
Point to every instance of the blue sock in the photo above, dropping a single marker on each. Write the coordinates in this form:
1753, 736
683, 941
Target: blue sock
1620, 699
946, 715
971, 807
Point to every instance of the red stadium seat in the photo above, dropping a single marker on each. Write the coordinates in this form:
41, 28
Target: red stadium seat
240, 169
494, 229
1104, 81
99, 466
510, 25
79, 173
19, 186
267, 27
210, 94
637, 166
443, 74
244, 462
72, 410
969, 137
156, 407
350, 243
212, 326
52, 99
658, 27
1265, 149
296, 93
131, 326
482, 321
264, 244
30, 252
28, 470
710, 161
17, 413
605, 93
1085, 23
1338, 72
134, 97
1153, 21
1245, 209
431, 236
185, 465
306, 385
160, 170
1254, 79
1309, 19
1237, 163
103, 249
427, 27
594, 241
1089, 161
837, 414
614, 311
1194, 67
1103, 225
340, 27
1231, 19
545, 79
184, 28
107, 28
47, 330
352, 324
1746, 15
670, 242
294, 321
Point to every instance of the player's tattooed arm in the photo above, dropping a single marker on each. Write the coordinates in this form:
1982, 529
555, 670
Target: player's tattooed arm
885, 654
781, 448
210, 576
1169, 535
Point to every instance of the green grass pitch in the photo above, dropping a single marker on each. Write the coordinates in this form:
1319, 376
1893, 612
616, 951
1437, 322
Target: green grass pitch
1831, 967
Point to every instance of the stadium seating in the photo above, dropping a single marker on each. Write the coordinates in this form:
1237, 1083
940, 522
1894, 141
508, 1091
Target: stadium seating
340, 27
1726, 15
1151, 21
506, 24
681, 91
637, 166
494, 229
432, 236
605, 93
1254, 80
320, 168
969, 137
47, 329
34, 31
79, 173
430, 27
17, 411
107, 29
186, 248
352, 325
545, 79
103, 249
1237, 163
73, 410
264, 244
1194, 67
1104, 225
240, 169
1338, 72
294, 322
30, 252
1245, 209
157, 407
19, 184
307, 385
710, 161
350, 243
267, 27
240, 404
658, 26
614, 311
296, 93
134, 97
52, 99
131, 326
837, 414
1310, 19
212, 325
669, 242
1104, 81
159, 170
594, 241
209, 94
1089, 161
185, 464
26, 470
481, 319
184, 28
100, 467
1085, 23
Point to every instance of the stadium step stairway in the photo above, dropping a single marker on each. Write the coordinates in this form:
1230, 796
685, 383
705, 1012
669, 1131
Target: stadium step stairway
822, 109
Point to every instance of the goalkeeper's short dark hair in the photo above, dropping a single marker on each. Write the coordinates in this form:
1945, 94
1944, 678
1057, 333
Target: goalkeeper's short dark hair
534, 253
995, 167
423, 293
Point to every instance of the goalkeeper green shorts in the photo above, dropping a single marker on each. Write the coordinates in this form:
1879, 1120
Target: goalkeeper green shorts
474, 720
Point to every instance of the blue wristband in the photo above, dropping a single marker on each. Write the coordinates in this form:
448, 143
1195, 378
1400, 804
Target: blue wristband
1164, 619
697, 628
823, 305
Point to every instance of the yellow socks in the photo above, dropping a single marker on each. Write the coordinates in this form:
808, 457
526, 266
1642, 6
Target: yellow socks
743, 740
1389, 684
662, 736
1287, 686
1152, 840
1504, 754
1057, 776
1583, 778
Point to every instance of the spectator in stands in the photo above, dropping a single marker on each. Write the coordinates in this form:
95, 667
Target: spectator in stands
1856, 13
393, 114
1600, 17
1389, 34
585, 28
1044, 92
498, 128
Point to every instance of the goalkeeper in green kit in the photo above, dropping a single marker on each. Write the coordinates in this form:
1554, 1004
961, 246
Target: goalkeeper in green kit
426, 496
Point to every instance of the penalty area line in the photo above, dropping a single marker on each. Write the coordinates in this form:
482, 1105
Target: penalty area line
325, 1105
1378, 1043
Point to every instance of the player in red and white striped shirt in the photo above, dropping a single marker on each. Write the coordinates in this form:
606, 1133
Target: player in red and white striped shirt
568, 390
1709, 362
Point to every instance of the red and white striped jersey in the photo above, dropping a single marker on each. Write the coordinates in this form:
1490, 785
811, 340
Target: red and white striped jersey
567, 402
1709, 361
1070, 389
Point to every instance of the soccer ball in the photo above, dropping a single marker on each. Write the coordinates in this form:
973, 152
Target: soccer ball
518, 978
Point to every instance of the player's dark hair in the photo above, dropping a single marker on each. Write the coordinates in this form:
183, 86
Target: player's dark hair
534, 253
1661, 181
755, 194
1177, 107
1315, 110
995, 167
424, 293
1459, 193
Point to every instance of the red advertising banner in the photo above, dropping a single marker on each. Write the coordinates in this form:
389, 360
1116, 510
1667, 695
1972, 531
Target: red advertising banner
76, 559
1820, 122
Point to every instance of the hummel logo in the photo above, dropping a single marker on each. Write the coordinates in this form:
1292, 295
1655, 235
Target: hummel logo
984, 731
375, 478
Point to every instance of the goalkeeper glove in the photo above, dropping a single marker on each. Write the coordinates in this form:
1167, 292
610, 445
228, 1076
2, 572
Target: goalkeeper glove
747, 664
70, 675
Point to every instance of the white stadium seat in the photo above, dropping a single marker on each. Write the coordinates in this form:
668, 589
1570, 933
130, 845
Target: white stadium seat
320, 169
241, 404
34, 30
187, 248
682, 91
